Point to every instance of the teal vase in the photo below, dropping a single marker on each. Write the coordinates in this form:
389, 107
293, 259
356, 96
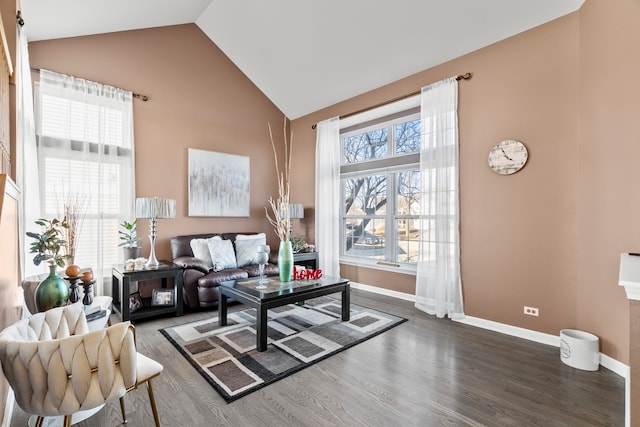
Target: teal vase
285, 261
52, 291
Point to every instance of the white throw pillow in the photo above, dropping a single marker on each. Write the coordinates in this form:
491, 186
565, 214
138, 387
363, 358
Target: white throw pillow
200, 248
247, 248
222, 254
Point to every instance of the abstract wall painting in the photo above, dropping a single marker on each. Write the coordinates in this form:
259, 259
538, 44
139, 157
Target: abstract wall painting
218, 184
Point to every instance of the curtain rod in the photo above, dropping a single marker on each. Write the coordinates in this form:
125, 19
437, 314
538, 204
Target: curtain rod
144, 98
466, 76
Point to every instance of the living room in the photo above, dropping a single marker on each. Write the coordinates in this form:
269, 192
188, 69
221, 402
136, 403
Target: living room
549, 236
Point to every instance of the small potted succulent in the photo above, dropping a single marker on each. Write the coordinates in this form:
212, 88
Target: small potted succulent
129, 240
53, 291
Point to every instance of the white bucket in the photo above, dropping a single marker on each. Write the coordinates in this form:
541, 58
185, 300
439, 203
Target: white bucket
579, 349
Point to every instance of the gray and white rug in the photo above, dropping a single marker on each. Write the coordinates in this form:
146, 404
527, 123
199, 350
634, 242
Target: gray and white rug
299, 336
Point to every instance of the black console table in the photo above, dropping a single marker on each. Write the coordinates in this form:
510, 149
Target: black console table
308, 259
121, 289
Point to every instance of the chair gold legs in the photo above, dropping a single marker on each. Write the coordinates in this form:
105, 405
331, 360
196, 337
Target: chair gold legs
124, 415
66, 422
154, 408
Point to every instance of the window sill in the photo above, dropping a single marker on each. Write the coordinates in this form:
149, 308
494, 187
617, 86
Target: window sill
384, 265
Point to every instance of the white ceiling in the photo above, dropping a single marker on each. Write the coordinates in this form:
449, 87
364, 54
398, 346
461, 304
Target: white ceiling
306, 55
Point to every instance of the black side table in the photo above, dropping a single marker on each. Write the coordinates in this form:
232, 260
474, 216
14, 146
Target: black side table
308, 259
121, 289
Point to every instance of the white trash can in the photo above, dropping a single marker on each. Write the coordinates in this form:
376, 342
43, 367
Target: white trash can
579, 349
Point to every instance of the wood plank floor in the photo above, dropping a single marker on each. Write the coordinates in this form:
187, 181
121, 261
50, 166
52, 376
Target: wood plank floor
425, 372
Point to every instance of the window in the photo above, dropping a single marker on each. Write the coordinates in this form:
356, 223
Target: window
85, 155
380, 184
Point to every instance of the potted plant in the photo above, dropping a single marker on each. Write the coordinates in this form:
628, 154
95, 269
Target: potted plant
129, 240
53, 291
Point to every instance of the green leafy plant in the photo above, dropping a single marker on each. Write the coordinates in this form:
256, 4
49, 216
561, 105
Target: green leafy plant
48, 244
298, 243
129, 235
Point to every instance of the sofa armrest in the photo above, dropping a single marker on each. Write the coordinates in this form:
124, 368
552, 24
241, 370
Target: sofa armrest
192, 262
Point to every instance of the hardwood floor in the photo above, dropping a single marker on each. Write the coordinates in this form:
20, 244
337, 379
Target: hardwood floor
425, 372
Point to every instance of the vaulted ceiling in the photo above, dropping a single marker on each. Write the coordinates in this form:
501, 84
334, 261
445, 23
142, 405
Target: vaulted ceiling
306, 55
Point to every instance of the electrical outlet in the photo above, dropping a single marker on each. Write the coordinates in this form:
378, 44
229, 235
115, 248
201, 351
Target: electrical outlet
531, 311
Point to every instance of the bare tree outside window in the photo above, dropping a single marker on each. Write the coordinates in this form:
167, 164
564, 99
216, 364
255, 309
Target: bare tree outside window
381, 203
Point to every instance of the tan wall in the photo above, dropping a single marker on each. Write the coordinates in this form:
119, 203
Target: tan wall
198, 99
548, 236
608, 178
518, 233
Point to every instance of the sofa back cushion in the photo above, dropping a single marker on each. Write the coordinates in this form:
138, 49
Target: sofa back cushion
247, 248
200, 249
222, 254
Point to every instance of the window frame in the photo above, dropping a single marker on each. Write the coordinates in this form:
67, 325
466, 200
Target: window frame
93, 154
388, 166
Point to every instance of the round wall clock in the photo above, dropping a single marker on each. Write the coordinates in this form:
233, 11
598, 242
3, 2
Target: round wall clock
508, 157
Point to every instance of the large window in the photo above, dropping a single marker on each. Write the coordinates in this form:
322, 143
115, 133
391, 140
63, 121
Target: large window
85, 158
380, 183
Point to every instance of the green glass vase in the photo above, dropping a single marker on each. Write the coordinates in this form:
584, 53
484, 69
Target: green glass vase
52, 292
285, 261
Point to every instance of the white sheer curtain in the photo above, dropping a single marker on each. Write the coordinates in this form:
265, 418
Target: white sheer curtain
328, 196
26, 153
438, 282
86, 156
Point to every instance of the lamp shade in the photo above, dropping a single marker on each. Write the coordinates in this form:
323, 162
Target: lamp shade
155, 207
296, 211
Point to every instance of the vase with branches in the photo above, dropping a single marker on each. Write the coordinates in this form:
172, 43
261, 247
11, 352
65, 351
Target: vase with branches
280, 215
73, 213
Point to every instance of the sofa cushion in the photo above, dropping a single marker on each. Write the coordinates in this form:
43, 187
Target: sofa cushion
254, 270
213, 279
222, 254
200, 248
247, 248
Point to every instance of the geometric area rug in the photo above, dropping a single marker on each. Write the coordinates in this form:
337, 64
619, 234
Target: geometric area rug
298, 336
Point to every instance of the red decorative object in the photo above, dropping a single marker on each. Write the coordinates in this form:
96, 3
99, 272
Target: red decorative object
306, 274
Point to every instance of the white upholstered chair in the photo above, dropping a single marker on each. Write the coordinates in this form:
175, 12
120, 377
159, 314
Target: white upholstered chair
56, 367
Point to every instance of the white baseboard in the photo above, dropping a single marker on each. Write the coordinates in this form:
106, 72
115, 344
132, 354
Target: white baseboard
606, 361
381, 291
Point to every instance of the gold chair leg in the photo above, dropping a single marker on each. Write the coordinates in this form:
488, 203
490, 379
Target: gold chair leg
39, 421
154, 408
67, 421
124, 415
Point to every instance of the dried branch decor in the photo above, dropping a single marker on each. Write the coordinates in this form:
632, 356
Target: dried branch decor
73, 214
280, 217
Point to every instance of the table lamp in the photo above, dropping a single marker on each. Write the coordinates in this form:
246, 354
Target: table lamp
154, 208
296, 211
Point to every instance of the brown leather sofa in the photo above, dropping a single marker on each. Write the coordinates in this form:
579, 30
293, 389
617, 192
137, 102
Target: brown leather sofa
199, 280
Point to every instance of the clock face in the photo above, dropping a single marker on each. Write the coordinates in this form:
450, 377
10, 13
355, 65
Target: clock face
508, 157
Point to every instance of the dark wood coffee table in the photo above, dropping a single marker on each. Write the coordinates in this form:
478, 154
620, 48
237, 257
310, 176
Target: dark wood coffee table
277, 294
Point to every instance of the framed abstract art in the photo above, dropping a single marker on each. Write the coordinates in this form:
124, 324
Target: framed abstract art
218, 184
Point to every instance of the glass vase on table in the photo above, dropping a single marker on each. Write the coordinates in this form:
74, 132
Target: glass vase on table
262, 260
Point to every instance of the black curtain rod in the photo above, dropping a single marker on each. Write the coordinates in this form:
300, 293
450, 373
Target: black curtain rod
466, 76
144, 98
19, 18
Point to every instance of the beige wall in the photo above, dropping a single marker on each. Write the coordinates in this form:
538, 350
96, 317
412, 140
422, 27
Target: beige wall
197, 99
608, 196
548, 236
518, 233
